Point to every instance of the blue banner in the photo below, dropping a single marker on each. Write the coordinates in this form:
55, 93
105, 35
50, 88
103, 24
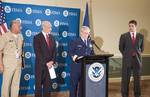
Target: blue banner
65, 27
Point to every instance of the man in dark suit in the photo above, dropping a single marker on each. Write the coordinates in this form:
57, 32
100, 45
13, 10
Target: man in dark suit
78, 48
131, 46
45, 51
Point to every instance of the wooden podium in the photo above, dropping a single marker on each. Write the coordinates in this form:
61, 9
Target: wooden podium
94, 82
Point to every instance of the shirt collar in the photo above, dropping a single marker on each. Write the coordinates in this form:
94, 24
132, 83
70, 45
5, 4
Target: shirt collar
44, 34
134, 34
83, 39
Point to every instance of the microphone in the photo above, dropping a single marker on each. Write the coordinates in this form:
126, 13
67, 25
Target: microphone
93, 42
89, 37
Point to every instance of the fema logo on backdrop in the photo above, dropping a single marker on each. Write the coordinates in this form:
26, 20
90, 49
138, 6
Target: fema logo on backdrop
28, 33
96, 72
56, 23
7, 9
38, 22
48, 12
65, 13
64, 54
64, 34
27, 77
28, 10
27, 55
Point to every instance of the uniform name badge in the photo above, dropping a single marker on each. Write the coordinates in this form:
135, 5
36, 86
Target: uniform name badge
17, 55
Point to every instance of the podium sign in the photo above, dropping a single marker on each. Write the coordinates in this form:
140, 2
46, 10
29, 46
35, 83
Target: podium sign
95, 75
95, 80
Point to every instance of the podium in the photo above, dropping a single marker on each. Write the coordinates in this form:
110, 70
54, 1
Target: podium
94, 82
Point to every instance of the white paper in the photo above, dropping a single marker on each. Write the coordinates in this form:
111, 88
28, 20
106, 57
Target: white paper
80, 57
52, 72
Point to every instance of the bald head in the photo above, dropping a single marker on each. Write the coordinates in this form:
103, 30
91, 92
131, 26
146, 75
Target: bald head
46, 26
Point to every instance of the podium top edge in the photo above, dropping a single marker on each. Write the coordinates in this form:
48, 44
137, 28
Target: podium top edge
107, 55
100, 55
96, 57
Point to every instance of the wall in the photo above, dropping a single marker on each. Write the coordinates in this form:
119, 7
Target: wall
110, 19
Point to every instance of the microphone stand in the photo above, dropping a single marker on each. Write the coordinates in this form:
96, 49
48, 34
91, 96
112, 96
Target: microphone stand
93, 42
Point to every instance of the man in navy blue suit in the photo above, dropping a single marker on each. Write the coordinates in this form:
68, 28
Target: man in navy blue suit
79, 47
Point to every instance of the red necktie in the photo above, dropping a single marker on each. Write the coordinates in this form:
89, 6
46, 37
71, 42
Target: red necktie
133, 39
133, 43
48, 41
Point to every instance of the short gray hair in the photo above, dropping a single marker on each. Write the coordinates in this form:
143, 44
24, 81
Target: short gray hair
85, 28
13, 22
45, 23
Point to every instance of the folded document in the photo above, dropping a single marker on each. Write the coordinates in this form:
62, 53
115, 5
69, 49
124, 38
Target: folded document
52, 72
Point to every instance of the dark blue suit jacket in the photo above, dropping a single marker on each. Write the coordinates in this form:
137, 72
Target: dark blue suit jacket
79, 48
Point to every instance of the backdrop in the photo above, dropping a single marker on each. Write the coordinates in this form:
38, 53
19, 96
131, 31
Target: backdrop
65, 27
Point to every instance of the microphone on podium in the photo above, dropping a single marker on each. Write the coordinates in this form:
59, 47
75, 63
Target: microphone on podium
93, 42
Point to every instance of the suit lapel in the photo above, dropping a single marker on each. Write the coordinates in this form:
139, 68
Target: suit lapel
44, 41
52, 41
129, 37
137, 38
81, 41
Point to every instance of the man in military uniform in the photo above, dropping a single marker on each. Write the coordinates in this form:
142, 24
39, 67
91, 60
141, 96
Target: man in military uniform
10, 60
78, 48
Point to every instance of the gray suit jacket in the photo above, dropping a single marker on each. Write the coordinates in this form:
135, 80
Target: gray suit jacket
126, 48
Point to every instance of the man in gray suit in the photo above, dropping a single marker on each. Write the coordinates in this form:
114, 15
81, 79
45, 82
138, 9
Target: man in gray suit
131, 46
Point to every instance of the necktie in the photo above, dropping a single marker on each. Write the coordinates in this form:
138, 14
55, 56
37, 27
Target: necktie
133, 43
48, 40
133, 39
85, 42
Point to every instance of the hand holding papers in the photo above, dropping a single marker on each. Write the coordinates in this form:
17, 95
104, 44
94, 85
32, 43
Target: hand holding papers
51, 69
52, 72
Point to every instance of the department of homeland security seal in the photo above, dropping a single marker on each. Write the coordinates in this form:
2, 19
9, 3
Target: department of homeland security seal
96, 72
